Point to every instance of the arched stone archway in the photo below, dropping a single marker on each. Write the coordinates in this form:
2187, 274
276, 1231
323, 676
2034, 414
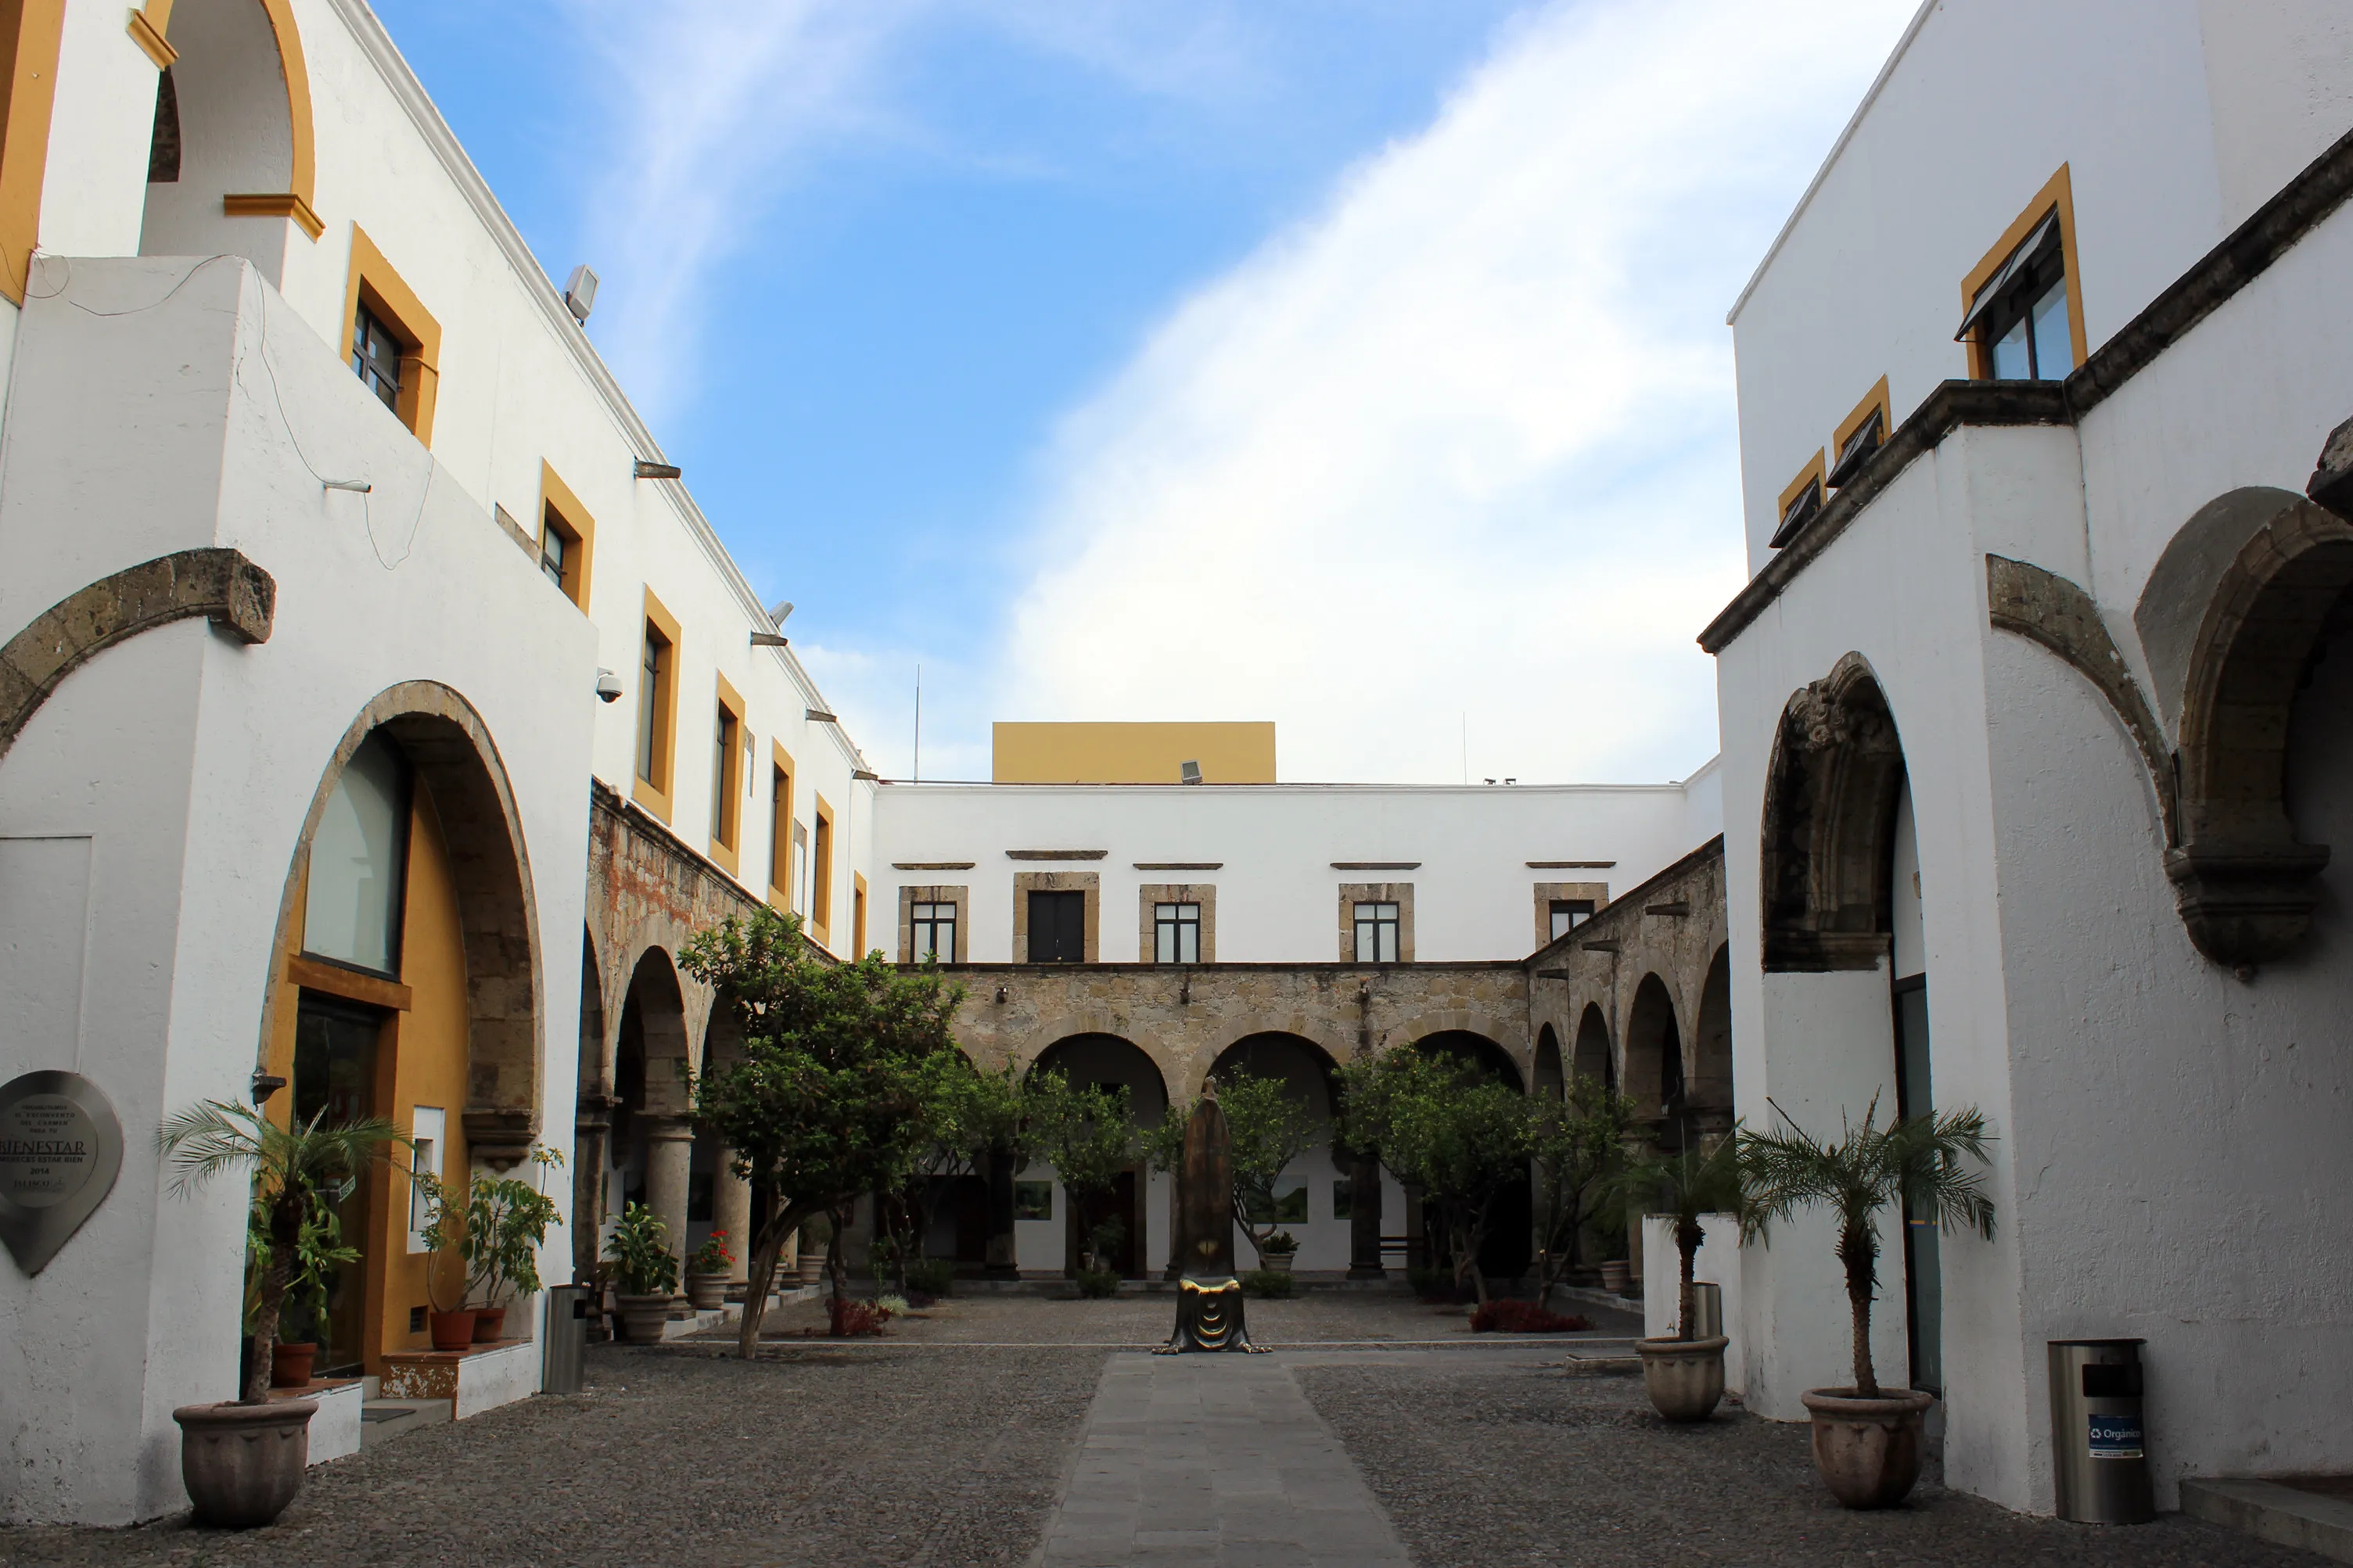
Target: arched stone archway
592, 1124
1110, 1060
1828, 824
1592, 1056
1654, 1055
652, 1139
1549, 1077
2234, 619
1509, 1247
1479, 1051
1711, 1051
718, 1200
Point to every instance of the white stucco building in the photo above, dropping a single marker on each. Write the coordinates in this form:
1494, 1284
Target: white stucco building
2034, 716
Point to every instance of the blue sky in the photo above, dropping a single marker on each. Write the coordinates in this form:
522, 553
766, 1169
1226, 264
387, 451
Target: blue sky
1122, 360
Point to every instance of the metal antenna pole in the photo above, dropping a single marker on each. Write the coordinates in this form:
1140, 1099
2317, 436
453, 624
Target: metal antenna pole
915, 772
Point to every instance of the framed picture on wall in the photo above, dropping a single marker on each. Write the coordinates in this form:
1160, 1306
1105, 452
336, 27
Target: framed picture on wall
1033, 1200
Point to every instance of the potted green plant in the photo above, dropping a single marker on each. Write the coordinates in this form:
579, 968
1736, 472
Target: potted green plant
447, 1236
817, 1236
243, 1461
1684, 1374
507, 1222
1278, 1252
706, 1273
645, 1273
1866, 1439
319, 1252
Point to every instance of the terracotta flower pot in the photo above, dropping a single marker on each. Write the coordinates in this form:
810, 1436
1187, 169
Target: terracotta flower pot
490, 1324
289, 1365
242, 1464
452, 1331
1868, 1451
812, 1268
707, 1292
1616, 1276
1685, 1378
643, 1317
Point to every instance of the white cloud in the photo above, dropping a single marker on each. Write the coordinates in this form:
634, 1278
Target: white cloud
1464, 442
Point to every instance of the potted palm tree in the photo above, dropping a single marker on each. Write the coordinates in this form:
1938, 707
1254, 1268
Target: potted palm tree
1684, 1374
645, 1273
1867, 1439
244, 1460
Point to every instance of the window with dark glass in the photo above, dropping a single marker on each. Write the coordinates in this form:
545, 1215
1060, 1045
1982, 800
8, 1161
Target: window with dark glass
1799, 510
376, 357
653, 705
552, 545
1058, 927
821, 871
1377, 930
1856, 449
933, 926
359, 862
1567, 914
780, 829
2019, 319
1176, 933
722, 778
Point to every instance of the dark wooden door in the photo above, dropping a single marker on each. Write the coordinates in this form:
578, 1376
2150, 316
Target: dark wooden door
1057, 927
1126, 1254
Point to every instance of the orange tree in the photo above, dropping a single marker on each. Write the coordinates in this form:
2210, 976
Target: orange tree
846, 1072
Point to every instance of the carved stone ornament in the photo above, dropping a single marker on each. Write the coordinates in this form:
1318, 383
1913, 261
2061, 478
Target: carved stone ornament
60, 1150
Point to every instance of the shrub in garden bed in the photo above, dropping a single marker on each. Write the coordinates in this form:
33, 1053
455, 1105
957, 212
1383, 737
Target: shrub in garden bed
929, 1276
1098, 1284
1508, 1317
1268, 1283
851, 1318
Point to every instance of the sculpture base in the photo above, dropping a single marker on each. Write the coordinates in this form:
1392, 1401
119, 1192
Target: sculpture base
1208, 1318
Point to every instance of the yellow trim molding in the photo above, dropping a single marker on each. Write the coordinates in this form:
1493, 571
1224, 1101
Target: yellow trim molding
857, 916
301, 191
147, 31
1811, 474
780, 828
654, 794
284, 205
2058, 193
561, 509
820, 909
30, 33
373, 283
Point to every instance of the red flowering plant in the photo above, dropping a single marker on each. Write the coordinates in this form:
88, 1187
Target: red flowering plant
712, 1257
1509, 1316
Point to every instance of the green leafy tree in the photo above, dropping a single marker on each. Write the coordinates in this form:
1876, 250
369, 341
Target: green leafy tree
1914, 1161
841, 1088
1271, 1128
983, 1115
298, 1173
1575, 1145
1086, 1134
1447, 1130
1685, 1186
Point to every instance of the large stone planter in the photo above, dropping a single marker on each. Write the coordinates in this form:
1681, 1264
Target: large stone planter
1868, 1451
1617, 1276
242, 1464
1277, 1262
1685, 1378
643, 1317
706, 1292
812, 1268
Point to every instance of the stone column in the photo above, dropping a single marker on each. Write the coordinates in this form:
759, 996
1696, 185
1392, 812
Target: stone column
1365, 1219
1713, 1127
592, 1137
731, 1211
669, 1158
1003, 1263
1640, 1143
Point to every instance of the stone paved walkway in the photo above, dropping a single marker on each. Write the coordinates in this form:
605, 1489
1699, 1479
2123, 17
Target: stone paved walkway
1213, 1459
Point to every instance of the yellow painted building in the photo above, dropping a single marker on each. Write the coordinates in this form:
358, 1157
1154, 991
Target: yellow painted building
1241, 753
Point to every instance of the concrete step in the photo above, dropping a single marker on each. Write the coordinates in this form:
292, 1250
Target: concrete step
382, 1420
2286, 1514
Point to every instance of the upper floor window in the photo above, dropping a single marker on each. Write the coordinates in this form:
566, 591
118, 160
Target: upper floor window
821, 867
1176, 933
2020, 324
653, 707
1377, 930
1798, 503
933, 926
1058, 926
376, 357
780, 828
724, 814
552, 546
1567, 914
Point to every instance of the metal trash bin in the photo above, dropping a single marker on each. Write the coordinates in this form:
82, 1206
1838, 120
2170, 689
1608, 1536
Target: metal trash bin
1707, 1310
2097, 1435
564, 1344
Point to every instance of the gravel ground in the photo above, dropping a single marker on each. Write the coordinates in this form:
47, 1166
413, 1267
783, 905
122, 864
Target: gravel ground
1143, 1321
685, 1457
1504, 1460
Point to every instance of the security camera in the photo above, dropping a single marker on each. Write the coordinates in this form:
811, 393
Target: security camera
608, 686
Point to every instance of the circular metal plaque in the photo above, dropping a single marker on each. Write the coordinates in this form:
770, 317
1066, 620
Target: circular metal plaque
60, 1150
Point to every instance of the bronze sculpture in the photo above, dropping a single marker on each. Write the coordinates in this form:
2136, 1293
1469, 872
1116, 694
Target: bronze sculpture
1209, 1296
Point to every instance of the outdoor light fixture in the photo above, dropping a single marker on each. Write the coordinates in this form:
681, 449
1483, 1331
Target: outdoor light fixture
869, 774
819, 716
358, 487
608, 686
1188, 773
769, 639
265, 1085
580, 293
646, 470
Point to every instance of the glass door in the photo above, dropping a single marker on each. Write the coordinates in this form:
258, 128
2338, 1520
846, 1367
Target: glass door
1923, 1291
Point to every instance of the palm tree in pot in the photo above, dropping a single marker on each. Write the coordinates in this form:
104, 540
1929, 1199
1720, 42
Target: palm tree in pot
243, 1461
1867, 1439
1684, 1374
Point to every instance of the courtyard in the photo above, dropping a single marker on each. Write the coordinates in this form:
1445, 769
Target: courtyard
1017, 1430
